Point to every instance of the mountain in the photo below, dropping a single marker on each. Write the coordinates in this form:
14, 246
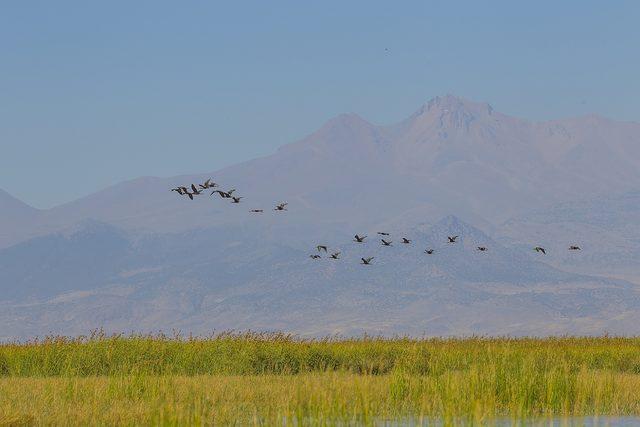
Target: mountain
212, 280
136, 255
452, 156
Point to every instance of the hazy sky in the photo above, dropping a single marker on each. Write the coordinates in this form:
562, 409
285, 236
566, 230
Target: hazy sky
92, 93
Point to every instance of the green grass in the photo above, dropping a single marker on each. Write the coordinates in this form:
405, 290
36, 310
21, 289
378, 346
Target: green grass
265, 379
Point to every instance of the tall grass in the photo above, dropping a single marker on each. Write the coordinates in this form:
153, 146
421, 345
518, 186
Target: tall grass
268, 378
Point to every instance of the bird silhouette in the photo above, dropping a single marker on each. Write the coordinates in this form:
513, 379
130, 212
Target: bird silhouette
321, 248
452, 239
428, 251
482, 248
207, 184
385, 243
257, 210
281, 207
366, 261
335, 255
359, 239
235, 199
382, 233
178, 190
223, 194
540, 249
315, 256
574, 248
405, 240
195, 190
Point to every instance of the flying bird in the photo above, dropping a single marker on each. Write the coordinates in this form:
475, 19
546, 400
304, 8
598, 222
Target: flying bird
223, 194
367, 261
335, 255
207, 184
574, 248
540, 249
359, 239
235, 199
482, 248
178, 190
385, 243
315, 256
452, 239
382, 233
257, 210
281, 207
195, 190
428, 251
321, 248
405, 240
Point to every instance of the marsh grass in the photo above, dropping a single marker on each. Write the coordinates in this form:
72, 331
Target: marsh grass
266, 379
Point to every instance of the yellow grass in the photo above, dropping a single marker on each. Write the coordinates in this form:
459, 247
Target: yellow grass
270, 379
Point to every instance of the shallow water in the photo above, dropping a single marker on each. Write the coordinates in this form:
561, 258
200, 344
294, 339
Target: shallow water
600, 421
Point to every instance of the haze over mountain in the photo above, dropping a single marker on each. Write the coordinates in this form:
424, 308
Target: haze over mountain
138, 255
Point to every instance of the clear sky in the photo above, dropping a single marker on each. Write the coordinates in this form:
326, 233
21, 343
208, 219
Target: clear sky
93, 93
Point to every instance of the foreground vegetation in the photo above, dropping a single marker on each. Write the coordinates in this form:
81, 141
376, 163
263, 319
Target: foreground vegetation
268, 379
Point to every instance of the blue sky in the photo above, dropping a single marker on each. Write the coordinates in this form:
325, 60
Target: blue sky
92, 93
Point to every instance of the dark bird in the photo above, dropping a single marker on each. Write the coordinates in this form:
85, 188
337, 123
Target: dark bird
574, 248
223, 194
256, 210
315, 256
405, 240
178, 190
281, 207
385, 243
359, 239
482, 248
452, 239
207, 184
235, 199
335, 255
382, 233
428, 251
189, 195
321, 248
540, 249
195, 190
367, 261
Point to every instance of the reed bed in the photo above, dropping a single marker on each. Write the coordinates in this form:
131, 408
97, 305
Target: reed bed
267, 379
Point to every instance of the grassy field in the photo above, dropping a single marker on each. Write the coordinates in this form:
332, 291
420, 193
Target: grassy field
270, 379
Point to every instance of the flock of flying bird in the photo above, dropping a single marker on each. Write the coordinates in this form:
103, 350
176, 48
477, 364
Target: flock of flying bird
209, 184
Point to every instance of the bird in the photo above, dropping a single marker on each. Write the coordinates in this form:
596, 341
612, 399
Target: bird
208, 184
540, 249
452, 239
382, 233
281, 207
178, 190
321, 248
405, 240
385, 243
195, 190
315, 256
189, 195
574, 248
482, 248
359, 239
223, 194
335, 255
235, 199
367, 261
428, 251
257, 210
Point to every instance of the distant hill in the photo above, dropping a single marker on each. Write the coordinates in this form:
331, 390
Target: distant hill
138, 255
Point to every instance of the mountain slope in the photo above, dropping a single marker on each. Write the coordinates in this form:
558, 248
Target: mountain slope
228, 278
